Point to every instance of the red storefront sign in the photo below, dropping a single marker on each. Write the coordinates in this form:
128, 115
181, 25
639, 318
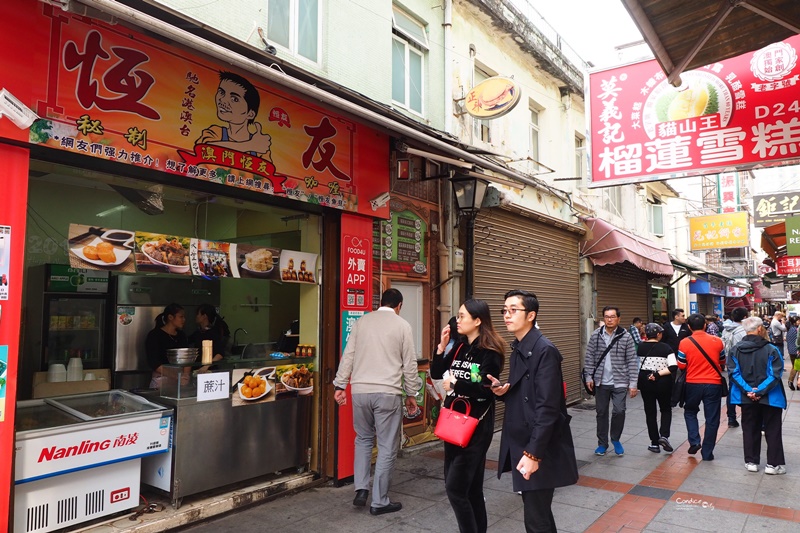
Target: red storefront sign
737, 112
788, 265
356, 273
112, 93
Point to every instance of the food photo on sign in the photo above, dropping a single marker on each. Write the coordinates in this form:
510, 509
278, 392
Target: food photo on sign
100, 248
292, 380
210, 258
298, 267
253, 385
161, 252
252, 261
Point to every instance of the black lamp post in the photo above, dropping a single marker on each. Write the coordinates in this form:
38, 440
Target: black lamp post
469, 192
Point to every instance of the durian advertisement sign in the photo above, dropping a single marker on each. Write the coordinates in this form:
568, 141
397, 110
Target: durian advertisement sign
732, 114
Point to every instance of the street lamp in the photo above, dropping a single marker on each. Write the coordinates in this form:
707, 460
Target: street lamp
469, 192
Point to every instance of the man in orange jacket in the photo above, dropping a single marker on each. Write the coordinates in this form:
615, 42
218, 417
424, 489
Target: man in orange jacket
703, 384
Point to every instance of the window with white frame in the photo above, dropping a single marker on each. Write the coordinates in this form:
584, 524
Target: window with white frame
483, 130
409, 45
655, 216
612, 200
580, 157
533, 149
294, 26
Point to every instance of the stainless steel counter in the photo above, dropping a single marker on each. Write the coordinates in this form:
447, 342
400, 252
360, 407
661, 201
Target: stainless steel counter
216, 444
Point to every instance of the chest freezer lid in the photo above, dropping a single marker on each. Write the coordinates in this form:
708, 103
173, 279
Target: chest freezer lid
37, 414
104, 405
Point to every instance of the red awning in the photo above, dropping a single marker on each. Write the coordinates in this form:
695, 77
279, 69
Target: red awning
606, 245
733, 303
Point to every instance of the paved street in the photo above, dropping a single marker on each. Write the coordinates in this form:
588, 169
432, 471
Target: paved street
640, 491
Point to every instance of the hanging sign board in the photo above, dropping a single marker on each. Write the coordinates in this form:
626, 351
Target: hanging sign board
719, 231
793, 235
492, 98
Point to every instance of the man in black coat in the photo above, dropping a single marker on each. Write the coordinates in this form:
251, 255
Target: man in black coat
536, 443
676, 331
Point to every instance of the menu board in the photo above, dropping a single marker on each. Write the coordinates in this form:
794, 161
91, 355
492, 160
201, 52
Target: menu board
400, 242
98, 248
271, 383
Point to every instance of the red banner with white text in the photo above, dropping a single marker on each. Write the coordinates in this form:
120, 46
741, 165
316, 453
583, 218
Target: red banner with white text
731, 114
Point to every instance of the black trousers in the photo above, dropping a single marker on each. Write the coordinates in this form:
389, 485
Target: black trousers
463, 477
538, 511
753, 416
658, 392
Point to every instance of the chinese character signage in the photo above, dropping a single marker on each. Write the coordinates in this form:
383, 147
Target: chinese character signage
728, 192
793, 235
111, 93
719, 231
400, 241
492, 98
772, 208
776, 291
732, 291
738, 112
356, 273
213, 386
788, 265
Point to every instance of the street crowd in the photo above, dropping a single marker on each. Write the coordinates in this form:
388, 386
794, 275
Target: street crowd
689, 362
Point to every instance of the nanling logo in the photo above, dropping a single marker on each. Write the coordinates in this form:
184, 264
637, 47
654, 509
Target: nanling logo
87, 446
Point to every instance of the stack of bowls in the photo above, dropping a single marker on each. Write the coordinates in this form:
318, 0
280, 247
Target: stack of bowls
56, 372
182, 356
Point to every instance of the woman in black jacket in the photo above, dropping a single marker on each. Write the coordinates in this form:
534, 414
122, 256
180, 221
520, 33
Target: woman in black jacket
658, 365
464, 369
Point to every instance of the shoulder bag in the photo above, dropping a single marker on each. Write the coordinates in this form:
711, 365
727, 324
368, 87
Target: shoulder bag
585, 376
454, 427
721, 377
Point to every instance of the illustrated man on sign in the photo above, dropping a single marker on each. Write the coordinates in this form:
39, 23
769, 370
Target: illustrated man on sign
237, 105
379, 362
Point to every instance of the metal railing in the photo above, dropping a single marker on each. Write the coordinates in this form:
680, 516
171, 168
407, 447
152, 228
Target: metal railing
536, 19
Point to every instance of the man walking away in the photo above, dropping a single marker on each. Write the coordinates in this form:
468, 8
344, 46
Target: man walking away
778, 330
731, 336
676, 331
612, 370
536, 443
379, 362
756, 367
702, 356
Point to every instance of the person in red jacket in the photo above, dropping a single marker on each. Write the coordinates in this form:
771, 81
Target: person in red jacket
703, 384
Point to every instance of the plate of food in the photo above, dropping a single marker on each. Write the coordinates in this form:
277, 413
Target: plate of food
259, 262
171, 254
299, 379
101, 253
254, 388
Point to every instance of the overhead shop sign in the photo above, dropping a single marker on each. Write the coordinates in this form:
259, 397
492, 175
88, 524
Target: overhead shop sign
719, 231
770, 209
738, 112
793, 236
115, 94
492, 98
788, 266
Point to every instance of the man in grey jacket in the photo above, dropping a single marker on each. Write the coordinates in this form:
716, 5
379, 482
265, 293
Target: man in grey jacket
731, 336
379, 362
612, 377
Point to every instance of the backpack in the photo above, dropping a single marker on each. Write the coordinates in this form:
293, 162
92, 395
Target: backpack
727, 338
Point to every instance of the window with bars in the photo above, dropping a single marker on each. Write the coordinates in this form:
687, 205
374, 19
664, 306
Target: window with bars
533, 149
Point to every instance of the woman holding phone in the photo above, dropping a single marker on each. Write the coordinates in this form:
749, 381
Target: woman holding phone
479, 352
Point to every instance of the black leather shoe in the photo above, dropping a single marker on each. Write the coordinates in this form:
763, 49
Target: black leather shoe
361, 498
732, 423
393, 507
694, 448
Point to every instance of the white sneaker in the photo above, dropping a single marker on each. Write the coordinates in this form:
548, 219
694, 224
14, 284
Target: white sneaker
775, 470
751, 467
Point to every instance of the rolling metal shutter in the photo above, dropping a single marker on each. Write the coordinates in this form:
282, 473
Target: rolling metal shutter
513, 251
705, 304
625, 286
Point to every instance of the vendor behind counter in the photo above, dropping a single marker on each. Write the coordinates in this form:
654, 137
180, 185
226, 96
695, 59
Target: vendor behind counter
167, 334
211, 326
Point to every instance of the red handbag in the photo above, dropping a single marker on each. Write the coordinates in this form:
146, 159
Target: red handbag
454, 427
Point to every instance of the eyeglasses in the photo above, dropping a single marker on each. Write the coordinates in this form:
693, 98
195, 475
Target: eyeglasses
510, 311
